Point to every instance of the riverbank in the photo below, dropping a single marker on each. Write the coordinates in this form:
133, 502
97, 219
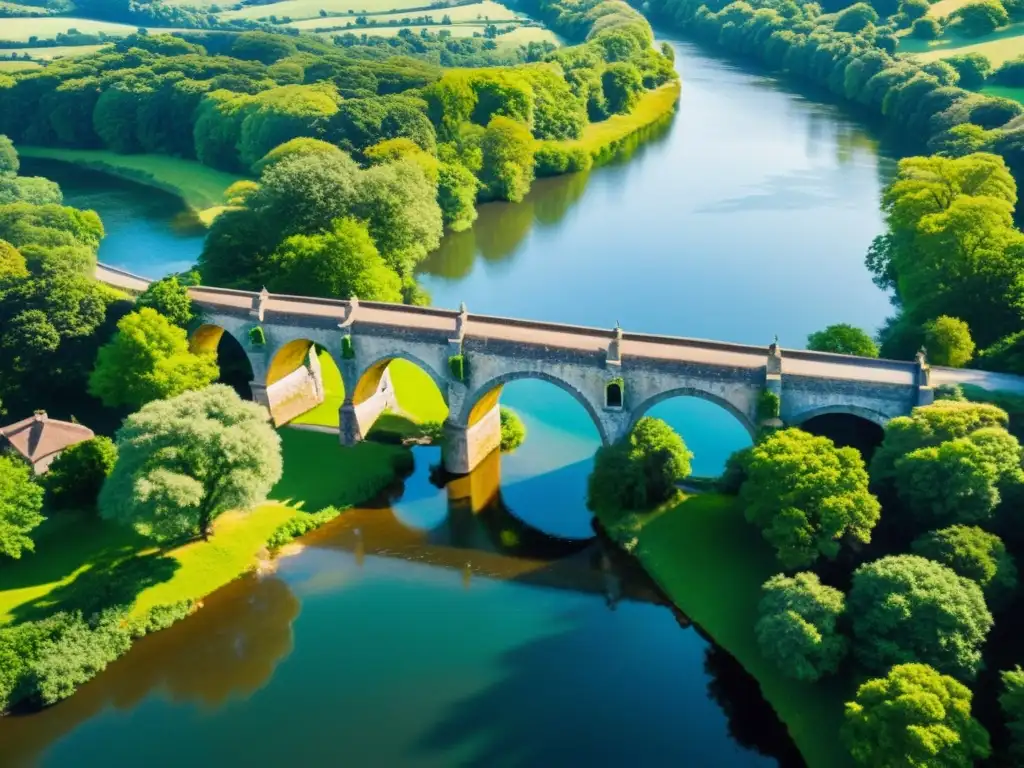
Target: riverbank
199, 186
706, 558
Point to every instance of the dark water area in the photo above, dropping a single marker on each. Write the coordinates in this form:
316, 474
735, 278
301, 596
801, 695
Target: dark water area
481, 623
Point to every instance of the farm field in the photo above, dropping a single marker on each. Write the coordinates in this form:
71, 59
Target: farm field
20, 30
25, 9
17, 66
310, 9
1001, 46
52, 52
1016, 94
944, 8
527, 34
474, 12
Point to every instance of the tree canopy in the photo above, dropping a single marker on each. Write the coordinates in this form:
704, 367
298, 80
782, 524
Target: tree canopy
75, 477
974, 554
148, 359
914, 716
807, 496
170, 298
21, 500
843, 339
184, 461
904, 609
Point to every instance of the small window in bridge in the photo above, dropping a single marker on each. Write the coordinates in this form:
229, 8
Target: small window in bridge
613, 395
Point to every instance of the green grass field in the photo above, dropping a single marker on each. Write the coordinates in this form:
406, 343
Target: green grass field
417, 395
711, 564
52, 52
473, 12
46, 28
310, 9
318, 472
18, 66
944, 8
1001, 46
201, 187
1015, 94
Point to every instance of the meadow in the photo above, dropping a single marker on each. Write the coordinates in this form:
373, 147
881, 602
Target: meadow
310, 9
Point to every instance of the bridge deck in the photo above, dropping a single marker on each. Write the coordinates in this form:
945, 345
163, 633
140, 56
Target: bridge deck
584, 339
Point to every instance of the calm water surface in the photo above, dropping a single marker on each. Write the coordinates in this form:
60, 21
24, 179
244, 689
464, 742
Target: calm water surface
475, 625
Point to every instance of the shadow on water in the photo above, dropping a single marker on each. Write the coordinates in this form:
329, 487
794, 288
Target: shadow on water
225, 651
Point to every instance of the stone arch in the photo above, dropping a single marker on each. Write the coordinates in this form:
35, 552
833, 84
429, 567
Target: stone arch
875, 417
741, 416
287, 358
368, 380
294, 383
236, 369
486, 397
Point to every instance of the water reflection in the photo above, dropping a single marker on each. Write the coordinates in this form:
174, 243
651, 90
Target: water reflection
227, 650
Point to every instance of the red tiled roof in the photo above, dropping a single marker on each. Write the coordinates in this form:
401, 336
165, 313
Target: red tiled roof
39, 436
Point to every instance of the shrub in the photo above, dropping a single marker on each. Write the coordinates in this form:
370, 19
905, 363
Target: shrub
974, 554
926, 29
973, 69
914, 716
1012, 703
768, 405
640, 471
980, 17
513, 433
948, 341
796, 629
299, 525
256, 336
77, 474
735, 472
347, 350
161, 616
457, 366
807, 496
906, 609
843, 339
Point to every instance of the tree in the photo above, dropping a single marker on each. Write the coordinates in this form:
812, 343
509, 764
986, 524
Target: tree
914, 9
926, 28
507, 169
1012, 703
855, 18
980, 17
973, 69
640, 471
21, 500
170, 298
929, 426
974, 554
513, 433
796, 627
338, 264
303, 146
183, 462
622, 85
148, 359
456, 194
9, 163
953, 482
906, 609
843, 339
12, 263
914, 716
948, 341
807, 496
77, 474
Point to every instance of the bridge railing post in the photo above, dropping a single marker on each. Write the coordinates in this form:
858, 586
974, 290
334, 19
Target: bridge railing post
923, 377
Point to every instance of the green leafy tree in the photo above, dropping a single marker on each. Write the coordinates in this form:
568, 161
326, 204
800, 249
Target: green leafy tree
843, 339
337, 264
75, 477
906, 609
9, 162
807, 496
855, 18
21, 500
513, 432
640, 471
148, 359
280, 114
929, 426
170, 298
948, 340
926, 28
797, 626
914, 9
980, 17
456, 194
183, 462
12, 263
914, 716
973, 69
1012, 703
974, 554
622, 85
953, 482
507, 170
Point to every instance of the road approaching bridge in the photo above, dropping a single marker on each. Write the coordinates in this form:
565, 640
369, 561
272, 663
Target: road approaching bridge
617, 376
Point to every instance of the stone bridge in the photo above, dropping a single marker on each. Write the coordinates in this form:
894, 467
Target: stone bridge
616, 376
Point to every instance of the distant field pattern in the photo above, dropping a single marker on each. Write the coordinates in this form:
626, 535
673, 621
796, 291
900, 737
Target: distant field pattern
482, 13
1002, 45
20, 30
310, 9
52, 52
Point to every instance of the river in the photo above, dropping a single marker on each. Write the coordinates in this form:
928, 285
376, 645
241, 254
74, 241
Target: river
409, 634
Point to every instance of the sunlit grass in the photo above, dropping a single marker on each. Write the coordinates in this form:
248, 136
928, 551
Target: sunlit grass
1000, 46
712, 563
653, 106
202, 188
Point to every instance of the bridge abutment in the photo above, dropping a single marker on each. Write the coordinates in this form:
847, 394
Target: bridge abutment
465, 447
356, 419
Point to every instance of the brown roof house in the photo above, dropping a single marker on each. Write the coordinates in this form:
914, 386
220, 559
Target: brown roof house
40, 439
